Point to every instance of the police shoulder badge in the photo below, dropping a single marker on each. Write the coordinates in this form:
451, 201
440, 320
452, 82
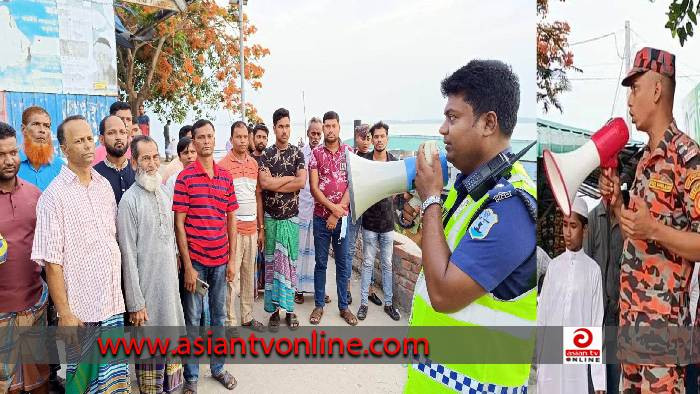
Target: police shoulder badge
481, 227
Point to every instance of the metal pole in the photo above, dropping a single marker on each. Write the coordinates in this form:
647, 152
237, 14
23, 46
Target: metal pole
242, 59
627, 61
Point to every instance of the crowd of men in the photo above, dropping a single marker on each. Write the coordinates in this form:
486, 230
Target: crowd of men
104, 235
157, 236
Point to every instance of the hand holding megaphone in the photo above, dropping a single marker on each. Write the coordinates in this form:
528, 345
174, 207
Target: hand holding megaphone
428, 155
427, 173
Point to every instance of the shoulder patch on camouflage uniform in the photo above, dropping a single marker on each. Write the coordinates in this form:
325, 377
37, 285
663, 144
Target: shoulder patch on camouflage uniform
691, 178
686, 147
694, 191
660, 183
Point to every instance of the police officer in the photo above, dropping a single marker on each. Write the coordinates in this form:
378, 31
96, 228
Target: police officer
660, 227
479, 268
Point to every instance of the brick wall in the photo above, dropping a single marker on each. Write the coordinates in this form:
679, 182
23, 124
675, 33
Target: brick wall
406, 264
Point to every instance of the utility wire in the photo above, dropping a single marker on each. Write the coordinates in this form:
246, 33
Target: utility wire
617, 78
591, 39
617, 89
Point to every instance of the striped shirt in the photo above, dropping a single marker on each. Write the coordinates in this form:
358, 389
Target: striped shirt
245, 180
205, 201
76, 229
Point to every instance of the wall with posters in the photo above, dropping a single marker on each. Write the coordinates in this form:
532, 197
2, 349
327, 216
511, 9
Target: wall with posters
59, 106
58, 46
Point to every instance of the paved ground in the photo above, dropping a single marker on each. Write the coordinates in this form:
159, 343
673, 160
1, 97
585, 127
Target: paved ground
314, 378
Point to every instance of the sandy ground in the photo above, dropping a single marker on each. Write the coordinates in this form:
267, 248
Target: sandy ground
313, 378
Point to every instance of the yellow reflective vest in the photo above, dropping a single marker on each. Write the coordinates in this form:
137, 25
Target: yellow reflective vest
425, 376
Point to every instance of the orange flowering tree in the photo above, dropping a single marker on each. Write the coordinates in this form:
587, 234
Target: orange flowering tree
554, 59
192, 63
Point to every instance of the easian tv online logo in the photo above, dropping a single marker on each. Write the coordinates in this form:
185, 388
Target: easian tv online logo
583, 345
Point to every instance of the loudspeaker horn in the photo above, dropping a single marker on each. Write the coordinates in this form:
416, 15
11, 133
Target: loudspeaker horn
372, 181
567, 171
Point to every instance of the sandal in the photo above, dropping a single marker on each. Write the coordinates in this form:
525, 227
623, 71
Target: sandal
227, 380
254, 325
274, 323
190, 388
327, 299
316, 315
292, 321
299, 298
348, 317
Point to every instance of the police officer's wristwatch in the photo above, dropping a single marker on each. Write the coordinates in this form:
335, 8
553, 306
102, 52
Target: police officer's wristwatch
435, 199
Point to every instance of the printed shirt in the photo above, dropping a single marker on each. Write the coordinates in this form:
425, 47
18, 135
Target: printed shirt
76, 228
332, 175
653, 280
41, 177
20, 287
281, 206
245, 180
206, 201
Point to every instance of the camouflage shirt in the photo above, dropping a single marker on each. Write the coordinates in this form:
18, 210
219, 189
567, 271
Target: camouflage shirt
654, 282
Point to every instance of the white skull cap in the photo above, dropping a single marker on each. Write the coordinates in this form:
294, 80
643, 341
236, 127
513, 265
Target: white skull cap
579, 206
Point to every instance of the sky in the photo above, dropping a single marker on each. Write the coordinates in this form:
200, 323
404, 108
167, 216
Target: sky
380, 60
590, 103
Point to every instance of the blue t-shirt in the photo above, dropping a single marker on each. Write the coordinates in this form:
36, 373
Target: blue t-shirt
497, 248
41, 177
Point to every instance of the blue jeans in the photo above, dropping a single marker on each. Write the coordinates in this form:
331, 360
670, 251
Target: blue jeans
193, 305
323, 238
372, 241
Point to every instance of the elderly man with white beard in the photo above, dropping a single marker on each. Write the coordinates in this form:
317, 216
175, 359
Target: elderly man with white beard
146, 238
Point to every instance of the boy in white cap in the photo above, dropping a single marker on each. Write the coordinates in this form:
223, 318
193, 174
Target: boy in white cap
572, 296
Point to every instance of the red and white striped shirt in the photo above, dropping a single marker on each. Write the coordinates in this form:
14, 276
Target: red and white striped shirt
76, 228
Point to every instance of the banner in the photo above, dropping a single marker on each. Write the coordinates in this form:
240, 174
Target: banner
58, 46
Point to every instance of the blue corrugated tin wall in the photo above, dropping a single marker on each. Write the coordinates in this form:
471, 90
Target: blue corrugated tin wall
59, 106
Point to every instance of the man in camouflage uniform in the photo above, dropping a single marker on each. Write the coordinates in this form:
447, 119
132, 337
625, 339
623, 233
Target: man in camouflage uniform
660, 227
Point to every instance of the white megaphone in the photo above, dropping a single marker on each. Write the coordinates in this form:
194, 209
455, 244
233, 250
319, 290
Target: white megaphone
567, 171
372, 181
